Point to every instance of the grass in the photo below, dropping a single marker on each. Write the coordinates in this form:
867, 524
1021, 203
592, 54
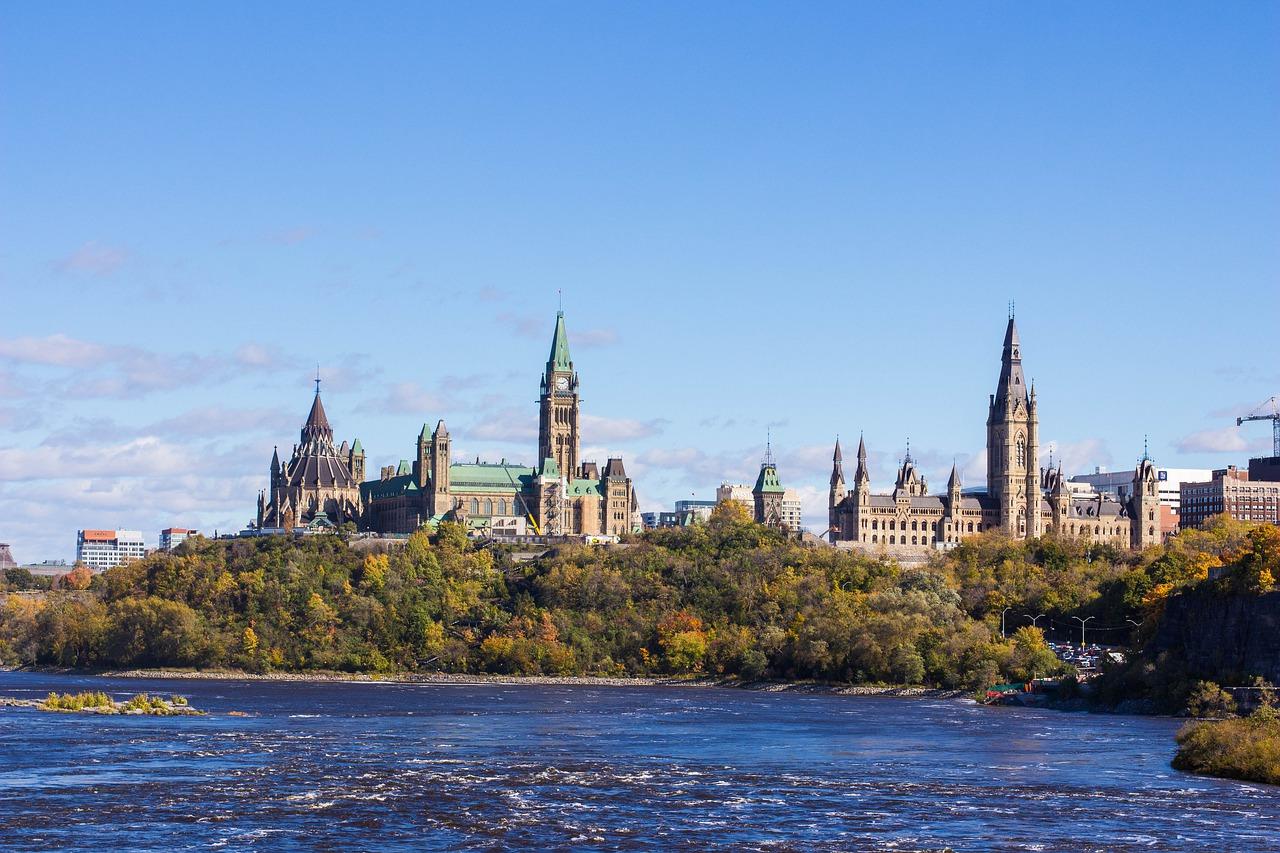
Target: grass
1246, 748
96, 700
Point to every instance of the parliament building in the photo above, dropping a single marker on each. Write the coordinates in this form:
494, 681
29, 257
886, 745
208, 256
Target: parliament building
323, 485
1021, 499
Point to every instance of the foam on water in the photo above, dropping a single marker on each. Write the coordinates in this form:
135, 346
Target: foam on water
625, 768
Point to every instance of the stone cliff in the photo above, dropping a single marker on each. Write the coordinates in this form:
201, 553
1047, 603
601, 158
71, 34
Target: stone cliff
1223, 637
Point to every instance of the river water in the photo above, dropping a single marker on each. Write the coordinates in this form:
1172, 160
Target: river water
344, 766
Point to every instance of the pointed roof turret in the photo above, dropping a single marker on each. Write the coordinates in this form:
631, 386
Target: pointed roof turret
862, 475
837, 457
441, 429
316, 431
559, 358
275, 460
1011, 383
356, 448
953, 482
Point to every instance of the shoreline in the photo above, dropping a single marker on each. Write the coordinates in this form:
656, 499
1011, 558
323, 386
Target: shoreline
802, 687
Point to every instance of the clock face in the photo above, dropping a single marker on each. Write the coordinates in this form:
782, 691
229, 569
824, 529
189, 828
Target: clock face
562, 384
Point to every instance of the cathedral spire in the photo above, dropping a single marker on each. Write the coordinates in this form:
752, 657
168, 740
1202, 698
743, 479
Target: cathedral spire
837, 457
1011, 383
316, 431
953, 482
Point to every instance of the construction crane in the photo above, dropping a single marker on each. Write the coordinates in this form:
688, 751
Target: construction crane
1274, 416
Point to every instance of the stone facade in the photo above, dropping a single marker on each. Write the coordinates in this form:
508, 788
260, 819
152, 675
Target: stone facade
562, 496
320, 484
1021, 499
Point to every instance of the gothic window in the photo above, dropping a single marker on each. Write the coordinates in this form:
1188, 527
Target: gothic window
971, 527
913, 527
913, 541
488, 506
475, 506
892, 540
873, 539
1022, 453
875, 524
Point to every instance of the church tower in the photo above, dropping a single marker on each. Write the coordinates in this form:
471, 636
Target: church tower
441, 501
1144, 509
1013, 425
558, 407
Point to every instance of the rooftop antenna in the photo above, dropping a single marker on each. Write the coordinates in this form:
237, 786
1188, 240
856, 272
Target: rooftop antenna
908, 459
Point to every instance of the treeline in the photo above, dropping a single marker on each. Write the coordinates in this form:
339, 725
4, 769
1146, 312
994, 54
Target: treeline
727, 598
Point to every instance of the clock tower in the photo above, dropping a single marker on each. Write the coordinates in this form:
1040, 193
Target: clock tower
558, 407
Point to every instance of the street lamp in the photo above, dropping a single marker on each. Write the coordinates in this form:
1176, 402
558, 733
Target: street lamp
1082, 624
1134, 623
1002, 613
1034, 619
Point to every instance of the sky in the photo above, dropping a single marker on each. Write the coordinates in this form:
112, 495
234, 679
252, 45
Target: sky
767, 221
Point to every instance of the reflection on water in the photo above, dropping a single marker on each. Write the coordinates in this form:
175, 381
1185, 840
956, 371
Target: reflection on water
412, 767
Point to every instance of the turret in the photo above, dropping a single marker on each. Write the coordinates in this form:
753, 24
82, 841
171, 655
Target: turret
862, 474
440, 461
422, 460
355, 461
837, 490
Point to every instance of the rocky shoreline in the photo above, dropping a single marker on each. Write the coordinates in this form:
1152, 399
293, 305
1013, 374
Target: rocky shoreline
805, 687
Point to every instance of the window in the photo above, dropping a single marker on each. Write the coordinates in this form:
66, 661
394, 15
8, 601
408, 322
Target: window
475, 506
1022, 453
488, 506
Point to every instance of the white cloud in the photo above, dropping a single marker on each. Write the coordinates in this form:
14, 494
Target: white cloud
507, 424
598, 428
53, 350
405, 398
146, 456
220, 420
593, 338
1228, 439
93, 258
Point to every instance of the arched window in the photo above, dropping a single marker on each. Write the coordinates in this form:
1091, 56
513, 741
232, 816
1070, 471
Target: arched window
875, 524
913, 527
873, 539
488, 506
1022, 453
971, 527
475, 506
913, 541
892, 540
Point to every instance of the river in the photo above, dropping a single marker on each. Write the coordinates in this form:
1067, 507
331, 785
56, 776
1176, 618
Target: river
356, 766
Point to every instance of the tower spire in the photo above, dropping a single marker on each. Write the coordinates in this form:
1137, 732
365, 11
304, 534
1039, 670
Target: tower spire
317, 380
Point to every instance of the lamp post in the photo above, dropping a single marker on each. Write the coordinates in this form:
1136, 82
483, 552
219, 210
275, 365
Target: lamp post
1082, 624
1002, 613
1035, 619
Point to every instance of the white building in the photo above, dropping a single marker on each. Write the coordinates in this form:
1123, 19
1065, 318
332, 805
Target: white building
792, 512
737, 492
102, 549
171, 537
1168, 481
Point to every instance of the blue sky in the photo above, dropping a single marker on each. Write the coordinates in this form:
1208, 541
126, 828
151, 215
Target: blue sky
807, 219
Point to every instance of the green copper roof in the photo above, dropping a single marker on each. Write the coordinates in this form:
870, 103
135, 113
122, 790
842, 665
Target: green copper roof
378, 489
356, 448
488, 478
549, 468
577, 488
404, 468
768, 480
559, 358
